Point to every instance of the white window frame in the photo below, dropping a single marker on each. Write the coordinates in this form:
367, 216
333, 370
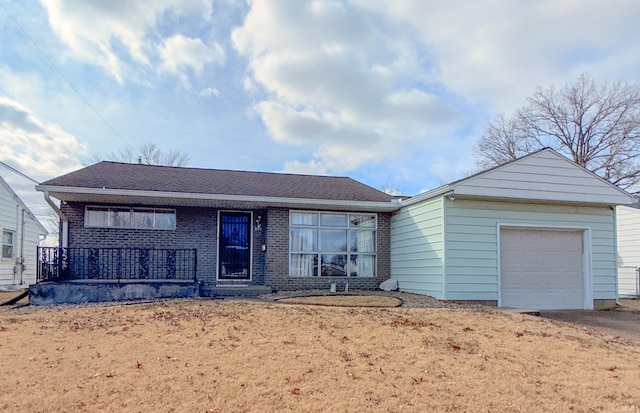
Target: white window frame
318, 252
131, 217
13, 244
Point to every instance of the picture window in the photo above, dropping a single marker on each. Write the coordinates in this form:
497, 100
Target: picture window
332, 244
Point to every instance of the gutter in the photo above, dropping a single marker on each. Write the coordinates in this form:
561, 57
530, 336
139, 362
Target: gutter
441, 191
63, 218
372, 206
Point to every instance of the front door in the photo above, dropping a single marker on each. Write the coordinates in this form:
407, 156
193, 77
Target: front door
234, 246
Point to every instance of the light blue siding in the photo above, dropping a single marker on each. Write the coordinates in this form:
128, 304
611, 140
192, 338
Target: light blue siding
472, 255
543, 176
417, 248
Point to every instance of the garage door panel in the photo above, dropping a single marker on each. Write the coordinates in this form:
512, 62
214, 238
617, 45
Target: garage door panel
541, 269
563, 300
543, 280
560, 260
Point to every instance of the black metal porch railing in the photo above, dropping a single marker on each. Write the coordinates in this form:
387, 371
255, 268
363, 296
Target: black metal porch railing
59, 264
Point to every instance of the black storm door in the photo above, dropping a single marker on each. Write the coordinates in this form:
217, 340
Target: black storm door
234, 246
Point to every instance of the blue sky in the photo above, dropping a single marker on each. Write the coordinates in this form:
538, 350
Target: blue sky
392, 93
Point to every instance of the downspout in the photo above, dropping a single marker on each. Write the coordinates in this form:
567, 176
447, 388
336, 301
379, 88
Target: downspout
15, 265
65, 221
21, 263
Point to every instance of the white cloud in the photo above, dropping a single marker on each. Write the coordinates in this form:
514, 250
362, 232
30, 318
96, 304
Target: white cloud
498, 52
210, 91
116, 33
37, 149
40, 150
365, 79
180, 53
338, 78
16, 84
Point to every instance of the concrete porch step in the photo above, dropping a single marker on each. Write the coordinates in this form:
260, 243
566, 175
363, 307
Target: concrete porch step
213, 290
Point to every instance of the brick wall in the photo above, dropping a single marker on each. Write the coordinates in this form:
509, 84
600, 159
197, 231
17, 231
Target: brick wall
197, 228
258, 239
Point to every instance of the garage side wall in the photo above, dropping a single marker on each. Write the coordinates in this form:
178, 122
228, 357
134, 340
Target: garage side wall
472, 243
417, 248
628, 223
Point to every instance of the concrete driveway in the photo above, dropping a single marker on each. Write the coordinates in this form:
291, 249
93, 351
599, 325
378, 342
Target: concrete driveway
623, 321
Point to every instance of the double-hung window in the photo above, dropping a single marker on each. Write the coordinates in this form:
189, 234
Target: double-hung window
332, 244
8, 243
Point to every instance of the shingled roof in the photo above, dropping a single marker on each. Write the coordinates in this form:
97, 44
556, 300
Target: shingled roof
119, 177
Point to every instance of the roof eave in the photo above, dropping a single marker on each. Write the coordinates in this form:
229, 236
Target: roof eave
441, 191
372, 206
601, 203
450, 189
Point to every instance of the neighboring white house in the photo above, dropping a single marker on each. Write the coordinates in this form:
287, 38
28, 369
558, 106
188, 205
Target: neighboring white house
628, 220
536, 233
21, 232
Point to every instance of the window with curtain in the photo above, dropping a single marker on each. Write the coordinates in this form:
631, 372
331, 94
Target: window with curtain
332, 244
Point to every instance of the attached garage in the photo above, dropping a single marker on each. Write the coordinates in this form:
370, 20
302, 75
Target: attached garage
537, 233
542, 268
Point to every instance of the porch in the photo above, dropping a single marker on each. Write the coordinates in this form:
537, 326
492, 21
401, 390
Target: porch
81, 275
116, 264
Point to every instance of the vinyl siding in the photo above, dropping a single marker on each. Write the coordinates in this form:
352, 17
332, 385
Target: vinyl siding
7, 221
628, 224
628, 281
417, 248
628, 221
31, 240
545, 176
10, 219
472, 243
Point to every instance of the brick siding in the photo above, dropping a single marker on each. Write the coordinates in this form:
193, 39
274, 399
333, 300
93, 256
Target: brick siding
198, 227
195, 228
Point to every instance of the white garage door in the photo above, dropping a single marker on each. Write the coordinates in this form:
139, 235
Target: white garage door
541, 269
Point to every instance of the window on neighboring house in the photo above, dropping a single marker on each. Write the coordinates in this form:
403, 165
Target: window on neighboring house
123, 217
8, 239
332, 244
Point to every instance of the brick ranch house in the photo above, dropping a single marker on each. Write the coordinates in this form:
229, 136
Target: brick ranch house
141, 231
538, 232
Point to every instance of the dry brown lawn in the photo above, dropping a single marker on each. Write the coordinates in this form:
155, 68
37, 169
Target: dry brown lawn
8, 295
241, 356
345, 301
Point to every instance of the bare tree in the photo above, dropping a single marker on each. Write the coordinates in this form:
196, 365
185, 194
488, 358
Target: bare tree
391, 190
503, 140
598, 126
52, 224
152, 155
148, 154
